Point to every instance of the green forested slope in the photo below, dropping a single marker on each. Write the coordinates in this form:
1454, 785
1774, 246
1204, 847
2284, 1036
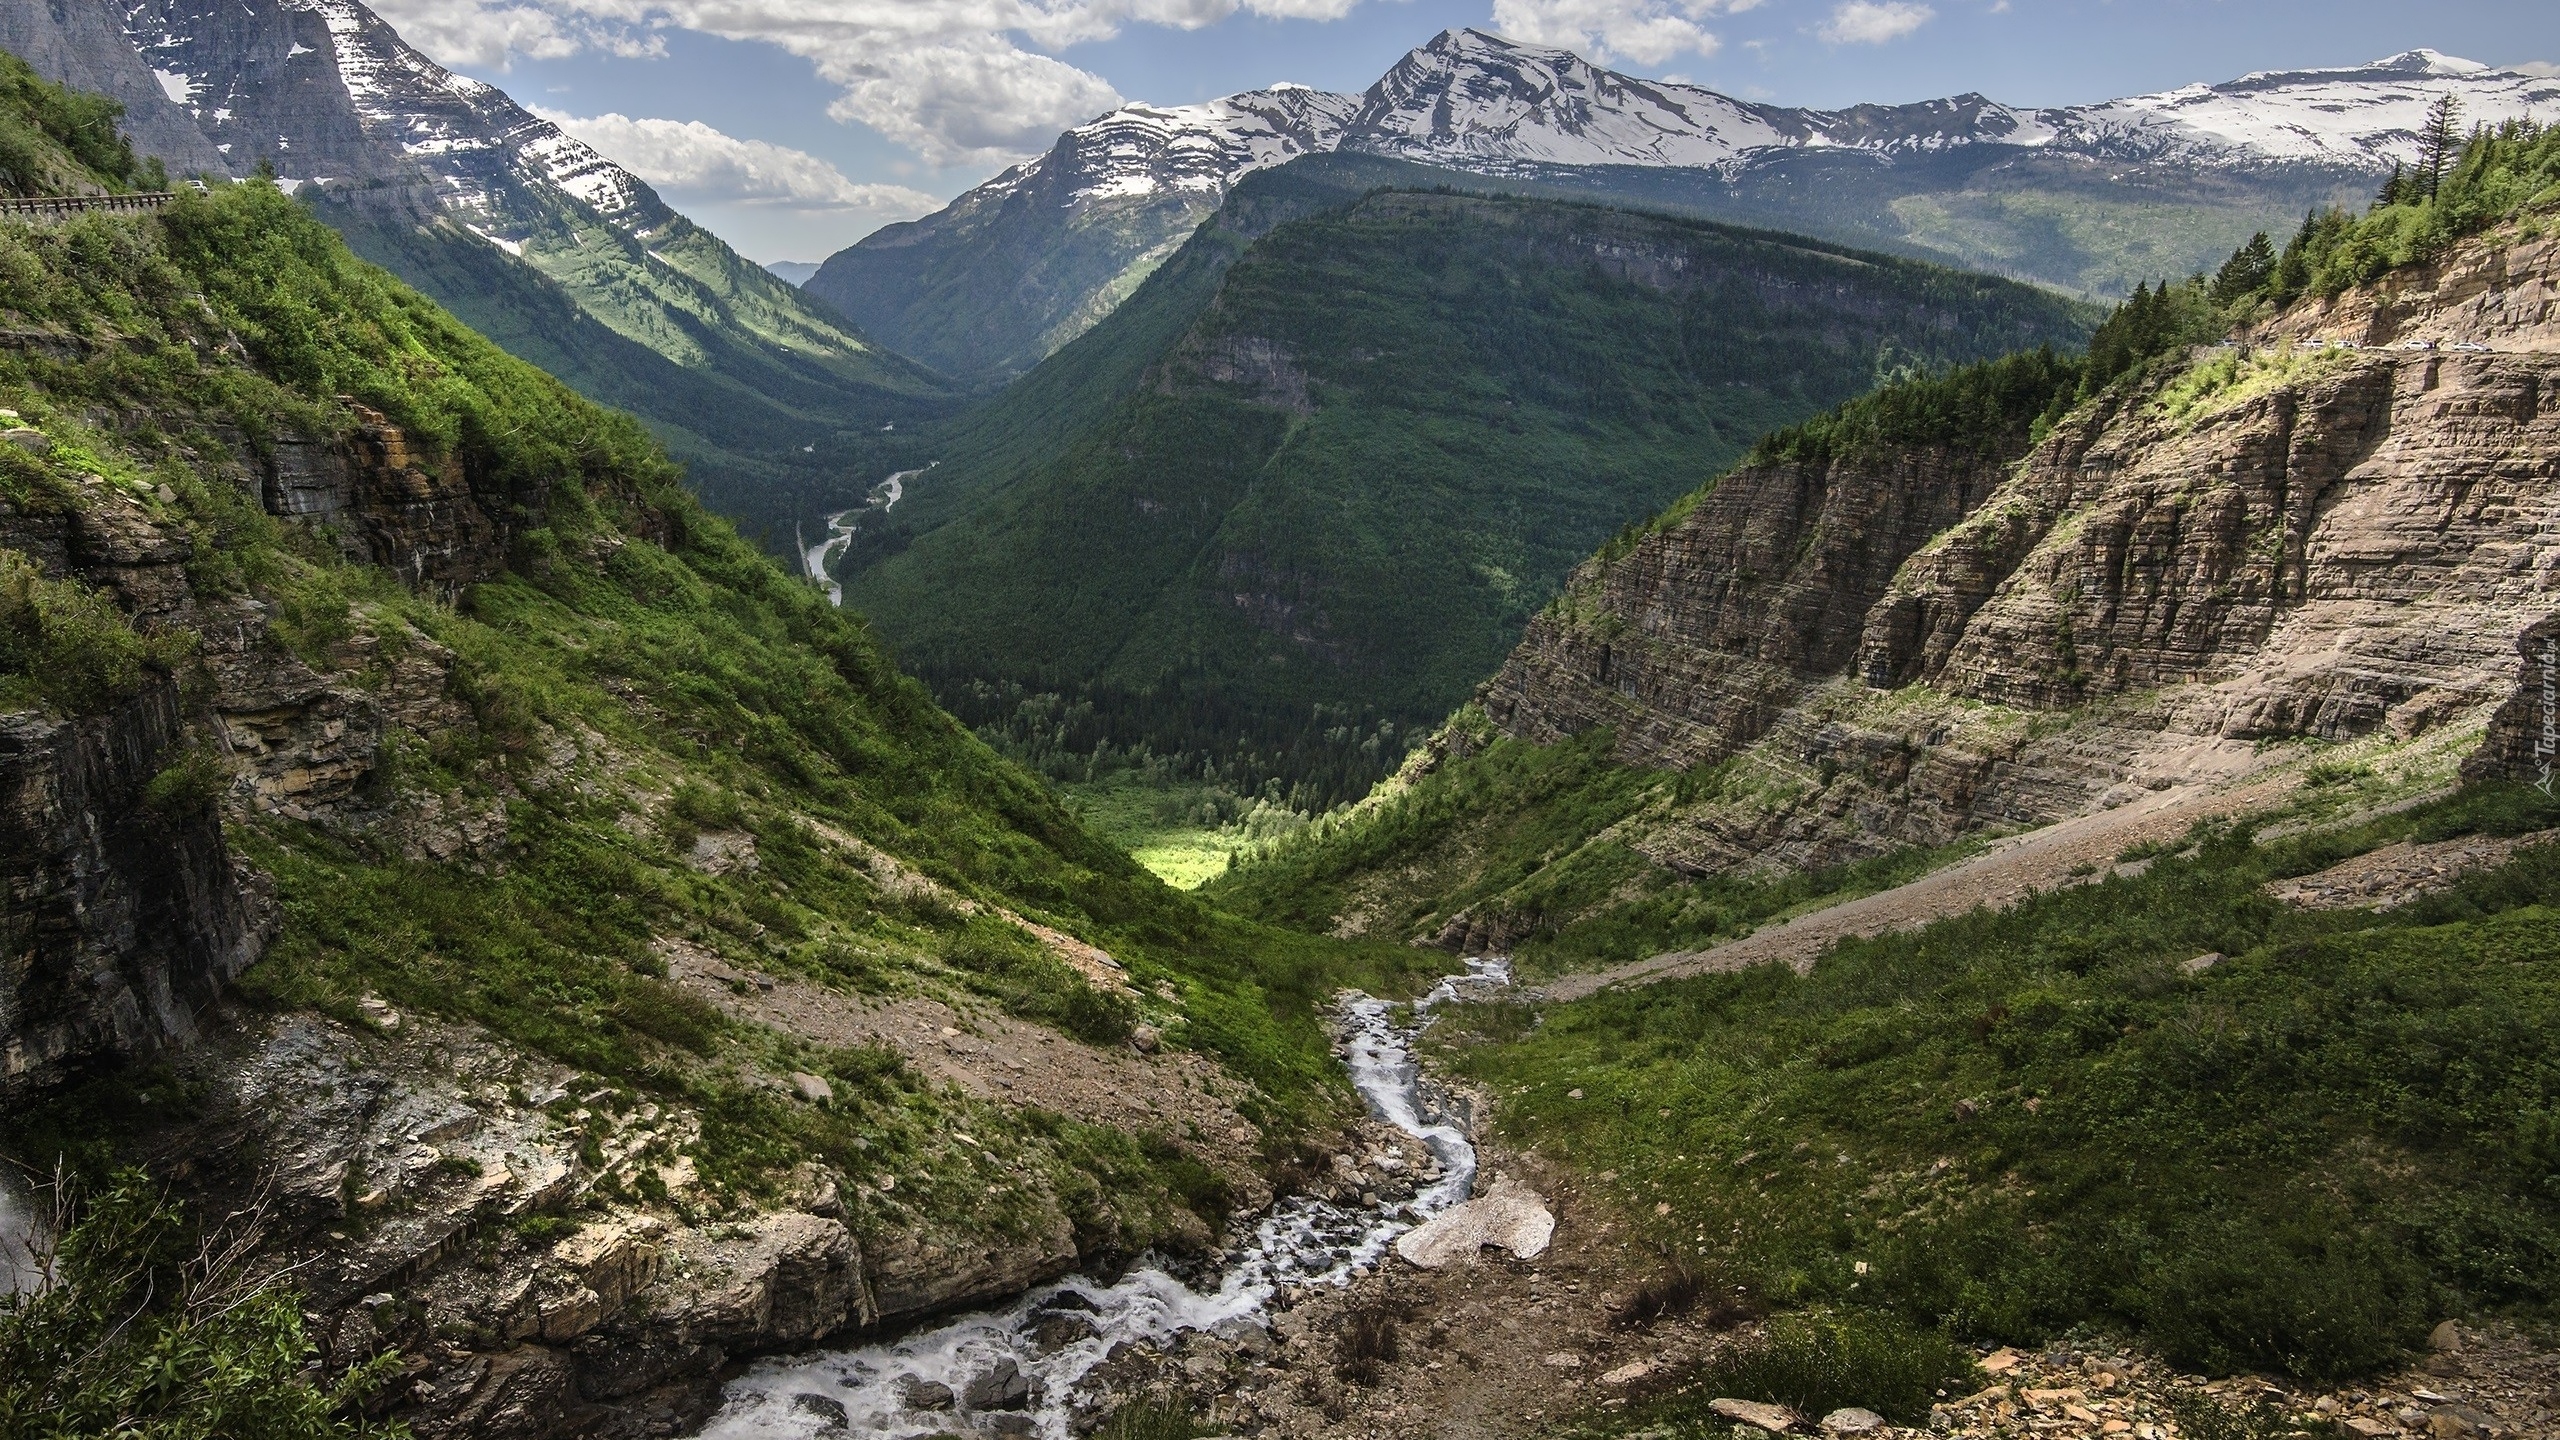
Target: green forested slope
1380, 444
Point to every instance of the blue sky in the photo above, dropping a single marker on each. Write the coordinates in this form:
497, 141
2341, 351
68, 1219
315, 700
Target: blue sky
793, 127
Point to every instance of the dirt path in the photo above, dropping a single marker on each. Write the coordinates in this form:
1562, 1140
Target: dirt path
2037, 860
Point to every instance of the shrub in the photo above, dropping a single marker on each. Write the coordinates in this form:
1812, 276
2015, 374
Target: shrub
1818, 1363
1673, 1290
1097, 1017
1151, 1420
63, 646
663, 1012
143, 1327
189, 786
2308, 1297
1367, 1344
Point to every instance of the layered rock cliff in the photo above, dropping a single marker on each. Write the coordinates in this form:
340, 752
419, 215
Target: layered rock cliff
2338, 526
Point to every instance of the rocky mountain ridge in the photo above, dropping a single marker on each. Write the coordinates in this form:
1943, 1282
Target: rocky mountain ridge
1061, 239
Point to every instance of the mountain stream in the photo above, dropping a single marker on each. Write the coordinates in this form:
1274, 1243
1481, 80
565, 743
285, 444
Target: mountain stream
968, 1375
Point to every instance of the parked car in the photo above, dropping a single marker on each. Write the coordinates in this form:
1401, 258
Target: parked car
2468, 347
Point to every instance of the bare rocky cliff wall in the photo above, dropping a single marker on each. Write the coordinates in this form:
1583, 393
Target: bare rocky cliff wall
1693, 641
2332, 543
2523, 742
125, 915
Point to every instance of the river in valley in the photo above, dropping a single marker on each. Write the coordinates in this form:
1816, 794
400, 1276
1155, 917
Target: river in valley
924, 1383
815, 559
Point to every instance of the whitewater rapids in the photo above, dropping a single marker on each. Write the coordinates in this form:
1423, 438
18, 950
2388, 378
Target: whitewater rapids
1302, 1242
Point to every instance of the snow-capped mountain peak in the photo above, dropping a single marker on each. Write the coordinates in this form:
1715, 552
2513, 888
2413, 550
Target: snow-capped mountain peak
2364, 117
1471, 96
327, 91
1141, 150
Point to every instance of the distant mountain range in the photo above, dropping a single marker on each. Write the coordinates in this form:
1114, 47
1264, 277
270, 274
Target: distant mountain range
2089, 199
538, 241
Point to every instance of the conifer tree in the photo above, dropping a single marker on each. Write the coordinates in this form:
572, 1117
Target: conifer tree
2439, 140
2246, 272
2395, 191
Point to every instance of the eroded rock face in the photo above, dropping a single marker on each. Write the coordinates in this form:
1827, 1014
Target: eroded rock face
2353, 542
2523, 742
127, 913
2351, 550
1692, 643
124, 917
391, 503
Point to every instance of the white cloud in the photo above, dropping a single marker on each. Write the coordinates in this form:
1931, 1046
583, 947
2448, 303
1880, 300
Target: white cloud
971, 101
2538, 67
1647, 32
959, 81
1867, 22
693, 161
496, 35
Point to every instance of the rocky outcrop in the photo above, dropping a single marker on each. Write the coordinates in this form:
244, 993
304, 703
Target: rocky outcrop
1692, 642
2343, 551
2507, 293
125, 914
2523, 742
391, 503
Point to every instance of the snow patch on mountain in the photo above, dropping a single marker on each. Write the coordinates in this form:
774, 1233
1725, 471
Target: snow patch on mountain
2367, 117
1143, 150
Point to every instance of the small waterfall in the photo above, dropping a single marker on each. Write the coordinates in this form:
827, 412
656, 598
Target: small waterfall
22, 1238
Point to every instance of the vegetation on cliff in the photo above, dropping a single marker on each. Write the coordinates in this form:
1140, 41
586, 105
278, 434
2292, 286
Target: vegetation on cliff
2497, 175
142, 1323
55, 141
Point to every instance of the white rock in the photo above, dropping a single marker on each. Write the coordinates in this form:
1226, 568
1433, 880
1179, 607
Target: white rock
1509, 1216
1777, 1419
1627, 1374
812, 1088
1851, 1421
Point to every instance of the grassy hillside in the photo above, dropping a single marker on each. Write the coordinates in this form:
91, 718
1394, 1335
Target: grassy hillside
1335, 493
636, 676
2015, 1123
